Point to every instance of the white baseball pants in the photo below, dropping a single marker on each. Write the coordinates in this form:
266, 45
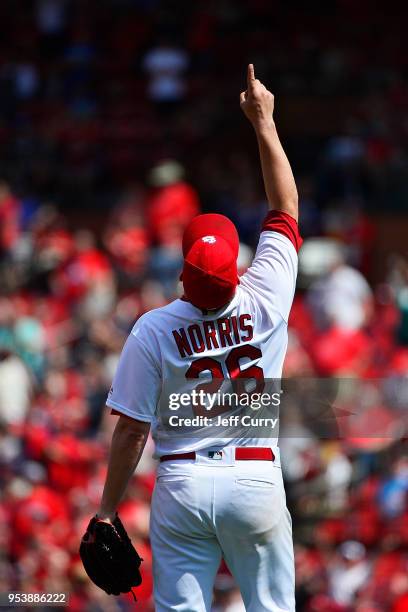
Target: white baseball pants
207, 508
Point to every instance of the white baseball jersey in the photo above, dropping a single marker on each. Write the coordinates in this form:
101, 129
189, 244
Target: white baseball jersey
247, 338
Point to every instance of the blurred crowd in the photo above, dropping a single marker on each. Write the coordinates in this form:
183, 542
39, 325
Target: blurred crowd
70, 297
94, 93
117, 126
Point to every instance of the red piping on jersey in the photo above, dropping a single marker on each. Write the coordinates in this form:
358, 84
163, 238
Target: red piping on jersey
281, 222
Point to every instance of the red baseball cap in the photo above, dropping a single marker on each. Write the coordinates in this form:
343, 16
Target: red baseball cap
210, 250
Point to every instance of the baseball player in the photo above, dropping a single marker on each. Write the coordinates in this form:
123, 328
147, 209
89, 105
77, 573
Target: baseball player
215, 497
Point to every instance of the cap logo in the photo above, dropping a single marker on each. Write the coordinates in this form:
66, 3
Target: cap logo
209, 239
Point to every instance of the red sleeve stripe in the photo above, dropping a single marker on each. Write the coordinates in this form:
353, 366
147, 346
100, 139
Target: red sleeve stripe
281, 222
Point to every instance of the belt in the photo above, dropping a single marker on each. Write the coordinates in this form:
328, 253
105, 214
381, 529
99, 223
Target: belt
243, 453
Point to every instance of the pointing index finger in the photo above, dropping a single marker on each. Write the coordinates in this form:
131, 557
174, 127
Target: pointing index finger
250, 75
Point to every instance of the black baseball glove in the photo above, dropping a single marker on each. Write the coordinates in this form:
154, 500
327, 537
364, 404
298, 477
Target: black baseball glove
109, 557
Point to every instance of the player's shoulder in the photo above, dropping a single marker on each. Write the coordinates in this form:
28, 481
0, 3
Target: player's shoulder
158, 317
277, 241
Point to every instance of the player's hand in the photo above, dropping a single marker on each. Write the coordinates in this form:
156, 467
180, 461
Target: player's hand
109, 557
257, 102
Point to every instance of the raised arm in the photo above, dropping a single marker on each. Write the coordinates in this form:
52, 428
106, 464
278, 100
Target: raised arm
258, 104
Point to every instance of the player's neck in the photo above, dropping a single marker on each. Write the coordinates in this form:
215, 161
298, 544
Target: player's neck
204, 311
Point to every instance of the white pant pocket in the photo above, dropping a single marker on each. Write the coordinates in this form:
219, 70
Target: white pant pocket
253, 482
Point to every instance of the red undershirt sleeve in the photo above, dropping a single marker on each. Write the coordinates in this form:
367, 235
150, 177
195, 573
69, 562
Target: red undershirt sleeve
281, 222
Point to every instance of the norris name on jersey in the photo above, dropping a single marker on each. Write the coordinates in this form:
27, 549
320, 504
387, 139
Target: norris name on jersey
210, 335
